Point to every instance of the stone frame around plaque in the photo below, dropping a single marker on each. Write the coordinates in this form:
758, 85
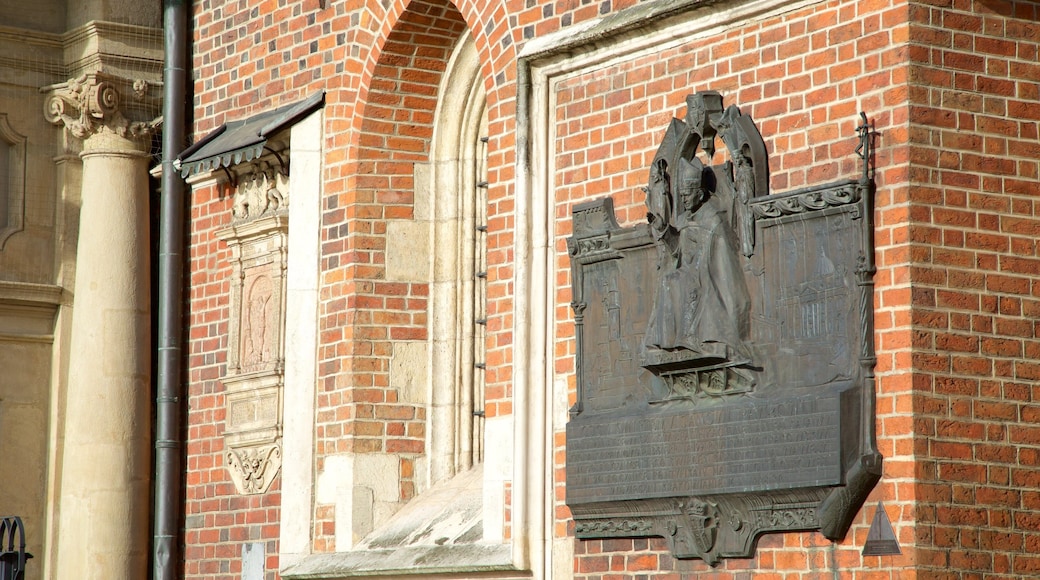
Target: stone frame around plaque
725, 384
258, 241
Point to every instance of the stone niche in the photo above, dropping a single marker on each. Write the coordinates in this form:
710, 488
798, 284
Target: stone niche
724, 349
254, 382
12, 180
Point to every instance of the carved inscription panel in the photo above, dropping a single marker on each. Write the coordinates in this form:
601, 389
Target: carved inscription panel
753, 447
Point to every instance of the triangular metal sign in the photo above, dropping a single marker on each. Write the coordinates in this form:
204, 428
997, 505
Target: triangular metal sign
881, 540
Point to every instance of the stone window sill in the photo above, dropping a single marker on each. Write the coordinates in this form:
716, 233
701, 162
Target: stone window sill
452, 561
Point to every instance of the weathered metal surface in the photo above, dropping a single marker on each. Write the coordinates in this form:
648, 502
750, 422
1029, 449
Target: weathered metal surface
13, 556
725, 350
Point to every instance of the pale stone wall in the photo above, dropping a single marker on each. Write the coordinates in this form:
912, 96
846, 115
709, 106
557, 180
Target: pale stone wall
42, 44
44, 15
26, 334
30, 294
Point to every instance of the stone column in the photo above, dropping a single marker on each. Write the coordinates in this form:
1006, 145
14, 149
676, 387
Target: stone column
103, 522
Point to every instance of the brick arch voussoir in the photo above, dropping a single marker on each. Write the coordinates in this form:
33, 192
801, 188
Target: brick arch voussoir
386, 26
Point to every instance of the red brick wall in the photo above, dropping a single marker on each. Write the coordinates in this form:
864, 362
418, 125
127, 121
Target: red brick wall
380, 64
217, 520
359, 408
975, 222
803, 77
952, 86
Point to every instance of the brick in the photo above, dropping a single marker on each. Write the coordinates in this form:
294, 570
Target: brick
957, 227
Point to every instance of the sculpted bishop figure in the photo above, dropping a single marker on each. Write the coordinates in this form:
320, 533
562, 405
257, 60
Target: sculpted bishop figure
702, 303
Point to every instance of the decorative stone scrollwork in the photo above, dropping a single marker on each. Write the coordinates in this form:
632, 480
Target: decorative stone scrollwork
609, 526
263, 191
786, 517
584, 247
92, 103
806, 201
253, 468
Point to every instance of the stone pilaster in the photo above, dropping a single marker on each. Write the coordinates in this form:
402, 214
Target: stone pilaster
103, 530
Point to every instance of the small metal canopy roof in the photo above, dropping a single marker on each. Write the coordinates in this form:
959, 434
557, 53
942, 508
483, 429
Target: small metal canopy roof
239, 141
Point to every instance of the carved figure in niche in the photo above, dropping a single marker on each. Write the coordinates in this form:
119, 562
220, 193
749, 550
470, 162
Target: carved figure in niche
744, 187
254, 322
659, 199
702, 303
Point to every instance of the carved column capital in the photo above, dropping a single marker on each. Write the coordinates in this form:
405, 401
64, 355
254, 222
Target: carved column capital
98, 103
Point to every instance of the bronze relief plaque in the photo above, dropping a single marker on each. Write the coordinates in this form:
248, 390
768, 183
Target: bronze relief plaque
725, 349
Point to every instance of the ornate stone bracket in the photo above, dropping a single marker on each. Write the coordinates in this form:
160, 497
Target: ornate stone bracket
96, 102
707, 528
254, 468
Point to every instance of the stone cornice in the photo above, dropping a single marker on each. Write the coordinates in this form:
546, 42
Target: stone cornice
22, 49
27, 312
30, 37
120, 49
26, 293
113, 31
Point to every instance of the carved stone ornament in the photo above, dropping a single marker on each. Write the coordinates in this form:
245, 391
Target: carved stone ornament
262, 191
724, 349
258, 263
96, 102
253, 468
258, 239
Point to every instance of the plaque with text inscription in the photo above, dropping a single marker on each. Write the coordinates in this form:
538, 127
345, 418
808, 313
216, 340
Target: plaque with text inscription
724, 349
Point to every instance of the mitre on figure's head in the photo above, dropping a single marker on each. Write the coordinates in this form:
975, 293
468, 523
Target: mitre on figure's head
691, 174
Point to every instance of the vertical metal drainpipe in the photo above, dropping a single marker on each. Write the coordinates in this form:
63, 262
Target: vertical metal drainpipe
166, 559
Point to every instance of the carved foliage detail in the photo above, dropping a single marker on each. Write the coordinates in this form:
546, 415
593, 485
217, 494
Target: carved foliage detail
91, 103
583, 247
611, 526
254, 468
787, 518
802, 202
